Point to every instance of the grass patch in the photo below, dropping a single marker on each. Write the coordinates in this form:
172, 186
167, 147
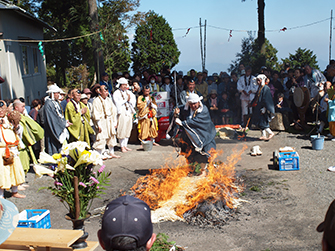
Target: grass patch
255, 188
162, 244
243, 194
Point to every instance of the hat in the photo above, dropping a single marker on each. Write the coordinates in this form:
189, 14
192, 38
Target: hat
95, 87
9, 218
193, 98
126, 216
83, 96
87, 91
180, 73
210, 78
328, 225
62, 92
213, 91
121, 81
53, 88
225, 75
215, 74
104, 74
206, 71
261, 77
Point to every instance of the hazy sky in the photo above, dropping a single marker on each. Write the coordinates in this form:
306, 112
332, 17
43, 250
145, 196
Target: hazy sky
237, 15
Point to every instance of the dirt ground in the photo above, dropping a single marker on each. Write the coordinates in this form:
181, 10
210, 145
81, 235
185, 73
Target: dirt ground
281, 212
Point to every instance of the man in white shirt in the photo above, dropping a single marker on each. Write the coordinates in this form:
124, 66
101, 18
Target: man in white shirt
125, 102
105, 122
247, 86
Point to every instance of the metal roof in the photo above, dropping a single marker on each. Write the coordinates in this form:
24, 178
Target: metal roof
6, 5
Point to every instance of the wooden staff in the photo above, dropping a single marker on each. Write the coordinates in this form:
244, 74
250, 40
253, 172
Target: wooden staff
76, 197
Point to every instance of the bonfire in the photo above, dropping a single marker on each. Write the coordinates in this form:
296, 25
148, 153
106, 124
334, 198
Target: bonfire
182, 191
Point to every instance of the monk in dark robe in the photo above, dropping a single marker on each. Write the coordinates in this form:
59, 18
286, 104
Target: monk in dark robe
54, 122
198, 131
264, 110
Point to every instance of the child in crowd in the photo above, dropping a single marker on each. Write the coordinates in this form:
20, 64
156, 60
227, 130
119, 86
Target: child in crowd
282, 105
224, 107
213, 106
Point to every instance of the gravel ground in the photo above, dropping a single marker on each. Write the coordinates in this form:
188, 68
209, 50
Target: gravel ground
282, 215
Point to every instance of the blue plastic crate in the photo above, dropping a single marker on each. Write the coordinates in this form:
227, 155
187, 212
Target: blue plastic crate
35, 218
288, 161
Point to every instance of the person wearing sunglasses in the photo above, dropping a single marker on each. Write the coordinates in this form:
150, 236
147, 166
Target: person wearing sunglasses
79, 116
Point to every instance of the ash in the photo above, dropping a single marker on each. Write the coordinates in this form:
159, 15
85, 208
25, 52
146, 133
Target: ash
208, 214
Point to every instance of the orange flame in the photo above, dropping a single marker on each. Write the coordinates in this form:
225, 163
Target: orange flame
215, 183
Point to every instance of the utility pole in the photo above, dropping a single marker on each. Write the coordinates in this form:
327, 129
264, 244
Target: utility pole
204, 64
331, 35
203, 48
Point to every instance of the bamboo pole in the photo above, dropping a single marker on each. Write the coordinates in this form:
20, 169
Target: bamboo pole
76, 197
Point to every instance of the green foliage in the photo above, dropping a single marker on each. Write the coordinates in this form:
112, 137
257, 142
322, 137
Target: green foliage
116, 43
77, 76
251, 56
301, 58
51, 73
154, 46
28, 5
67, 17
162, 243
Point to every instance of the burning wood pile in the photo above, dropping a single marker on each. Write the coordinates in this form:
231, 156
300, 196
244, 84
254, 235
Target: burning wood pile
185, 192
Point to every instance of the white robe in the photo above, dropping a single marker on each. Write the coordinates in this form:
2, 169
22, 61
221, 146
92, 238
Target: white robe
104, 115
125, 111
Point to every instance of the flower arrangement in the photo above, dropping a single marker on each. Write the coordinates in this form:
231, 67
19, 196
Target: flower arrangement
75, 181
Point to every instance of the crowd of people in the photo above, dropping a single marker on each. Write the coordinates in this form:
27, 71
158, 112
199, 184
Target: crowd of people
104, 115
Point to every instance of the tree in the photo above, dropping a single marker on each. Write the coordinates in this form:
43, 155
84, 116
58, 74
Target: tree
251, 56
301, 58
154, 46
67, 17
114, 18
261, 32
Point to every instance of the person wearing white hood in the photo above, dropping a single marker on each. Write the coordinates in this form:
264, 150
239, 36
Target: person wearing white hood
55, 123
125, 101
198, 129
264, 108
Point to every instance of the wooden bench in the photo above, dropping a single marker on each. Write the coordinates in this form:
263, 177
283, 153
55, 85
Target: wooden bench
35, 239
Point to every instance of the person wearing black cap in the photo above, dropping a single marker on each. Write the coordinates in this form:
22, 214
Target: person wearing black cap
328, 229
126, 225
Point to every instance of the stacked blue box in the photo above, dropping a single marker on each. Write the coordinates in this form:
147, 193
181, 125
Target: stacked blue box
288, 161
35, 218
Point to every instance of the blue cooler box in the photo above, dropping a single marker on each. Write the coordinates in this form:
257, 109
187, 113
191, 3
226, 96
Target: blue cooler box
34, 218
288, 161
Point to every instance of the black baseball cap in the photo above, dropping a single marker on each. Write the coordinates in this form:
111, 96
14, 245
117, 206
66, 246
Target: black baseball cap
126, 216
328, 225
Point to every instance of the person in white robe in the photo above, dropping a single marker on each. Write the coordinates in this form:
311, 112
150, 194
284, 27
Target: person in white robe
125, 102
104, 116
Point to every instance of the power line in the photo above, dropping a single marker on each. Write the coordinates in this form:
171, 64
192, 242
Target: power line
49, 40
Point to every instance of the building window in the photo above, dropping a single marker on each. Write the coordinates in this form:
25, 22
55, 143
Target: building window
25, 60
35, 58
